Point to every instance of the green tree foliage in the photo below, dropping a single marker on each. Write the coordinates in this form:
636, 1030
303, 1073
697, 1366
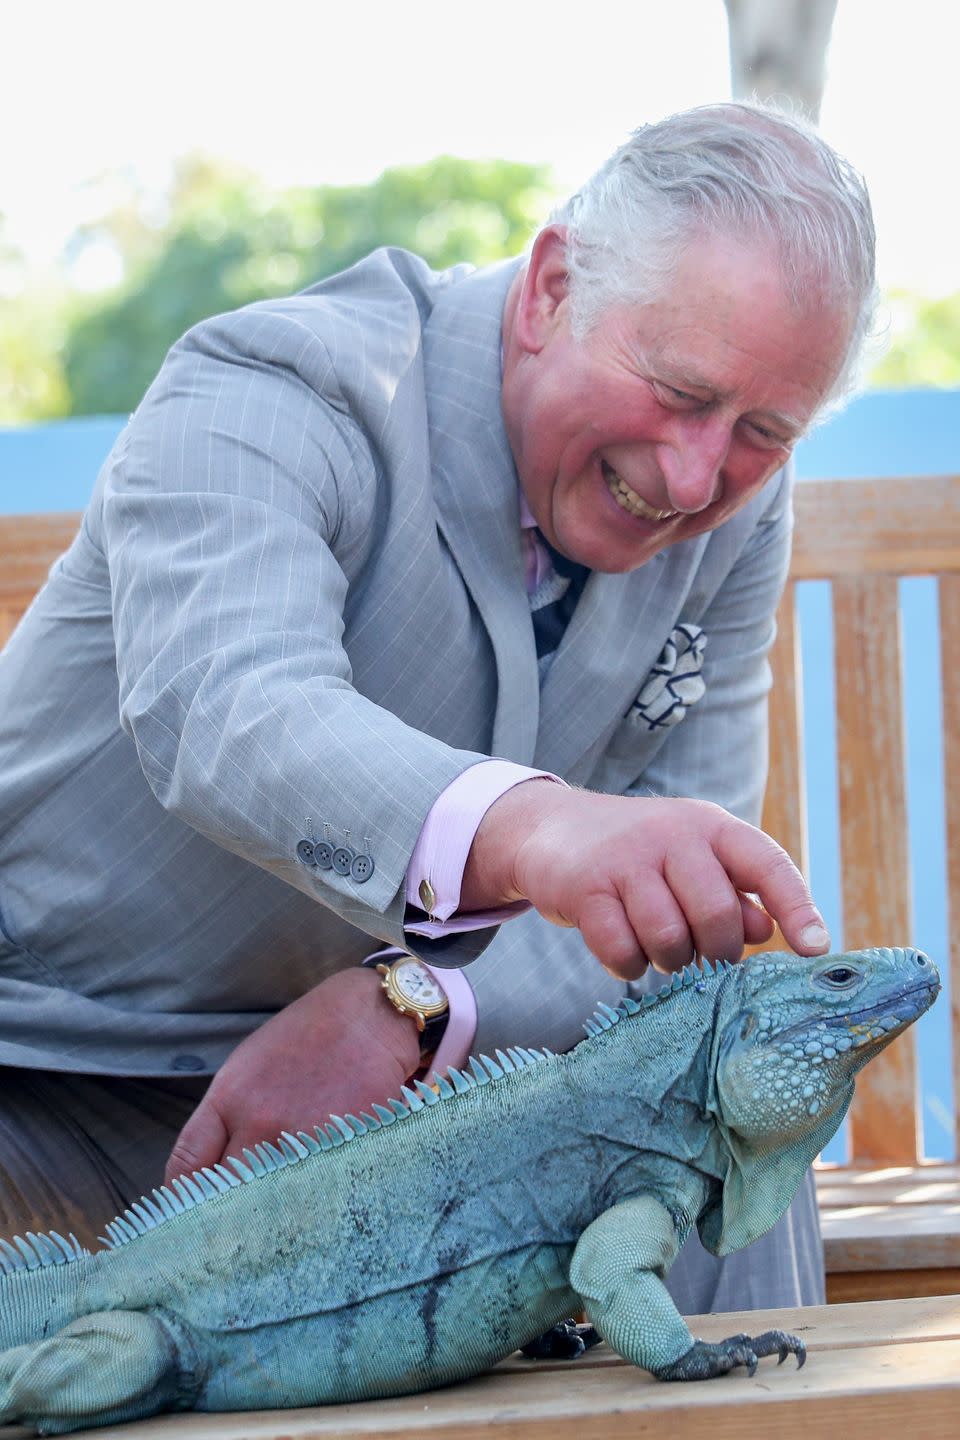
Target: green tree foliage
924, 343
228, 241
32, 384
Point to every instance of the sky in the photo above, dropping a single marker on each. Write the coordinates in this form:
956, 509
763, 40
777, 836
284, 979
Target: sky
334, 93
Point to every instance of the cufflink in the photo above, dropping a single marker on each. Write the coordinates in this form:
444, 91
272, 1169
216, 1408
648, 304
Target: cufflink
428, 897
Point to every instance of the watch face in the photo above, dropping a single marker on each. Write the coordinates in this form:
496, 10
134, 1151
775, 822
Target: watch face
416, 984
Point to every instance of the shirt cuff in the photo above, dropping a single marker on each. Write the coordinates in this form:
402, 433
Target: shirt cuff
435, 872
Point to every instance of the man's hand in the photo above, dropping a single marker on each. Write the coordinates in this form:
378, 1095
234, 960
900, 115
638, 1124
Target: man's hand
336, 1049
646, 881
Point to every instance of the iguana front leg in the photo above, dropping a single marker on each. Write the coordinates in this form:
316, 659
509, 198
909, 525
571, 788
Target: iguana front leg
618, 1268
99, 1370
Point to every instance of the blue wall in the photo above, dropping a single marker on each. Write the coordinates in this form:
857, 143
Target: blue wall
53, 467
896, 433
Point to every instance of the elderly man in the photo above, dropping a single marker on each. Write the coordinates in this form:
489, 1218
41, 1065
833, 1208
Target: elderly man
408, 606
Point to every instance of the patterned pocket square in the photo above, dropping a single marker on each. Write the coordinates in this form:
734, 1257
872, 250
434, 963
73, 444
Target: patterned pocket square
674, 683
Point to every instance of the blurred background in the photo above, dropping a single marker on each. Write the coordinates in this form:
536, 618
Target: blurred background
163, 163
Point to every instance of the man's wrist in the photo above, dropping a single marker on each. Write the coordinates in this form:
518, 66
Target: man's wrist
414, 993
381, 1006
489, 877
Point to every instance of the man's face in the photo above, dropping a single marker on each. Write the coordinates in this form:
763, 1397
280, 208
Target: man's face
666, 417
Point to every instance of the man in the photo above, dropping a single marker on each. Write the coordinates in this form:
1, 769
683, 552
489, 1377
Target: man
352, 545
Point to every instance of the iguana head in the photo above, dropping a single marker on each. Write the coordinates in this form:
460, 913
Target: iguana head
790, 1036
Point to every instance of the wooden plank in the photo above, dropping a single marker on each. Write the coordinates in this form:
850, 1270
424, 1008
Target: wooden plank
884, 1125
785, 806
873, 1369
863, 1285
862, 527
893, 1194
949, 607
29, 544
892, 1237
930, 1181
828, 1174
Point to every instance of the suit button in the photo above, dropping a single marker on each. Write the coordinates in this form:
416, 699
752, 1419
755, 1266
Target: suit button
342, 859
362, 868
323, 854
188, 1062
305, 852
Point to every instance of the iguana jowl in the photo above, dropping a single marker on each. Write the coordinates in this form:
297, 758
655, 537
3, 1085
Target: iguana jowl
418, 1245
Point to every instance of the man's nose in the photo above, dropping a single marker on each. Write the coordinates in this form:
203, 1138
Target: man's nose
693, 460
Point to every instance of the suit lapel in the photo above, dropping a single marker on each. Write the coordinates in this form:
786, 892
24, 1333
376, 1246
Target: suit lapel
475, 488
614, 637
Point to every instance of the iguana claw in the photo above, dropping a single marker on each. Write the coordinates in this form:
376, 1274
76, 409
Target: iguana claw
704, 1361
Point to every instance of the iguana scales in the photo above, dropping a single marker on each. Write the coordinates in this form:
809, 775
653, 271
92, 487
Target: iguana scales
418, 1244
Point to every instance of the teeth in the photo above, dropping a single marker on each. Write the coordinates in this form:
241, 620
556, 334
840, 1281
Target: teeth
629, 500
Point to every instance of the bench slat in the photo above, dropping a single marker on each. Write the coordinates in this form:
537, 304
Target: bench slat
949, 606
861, 527
873, 839
892, 1237
785, 812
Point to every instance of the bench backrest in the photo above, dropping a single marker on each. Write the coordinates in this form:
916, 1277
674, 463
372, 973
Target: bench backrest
862, 536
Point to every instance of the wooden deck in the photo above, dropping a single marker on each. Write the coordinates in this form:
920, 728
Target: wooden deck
891, 1232
882, 1369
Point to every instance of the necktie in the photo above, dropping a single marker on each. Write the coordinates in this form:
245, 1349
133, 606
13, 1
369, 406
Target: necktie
555, 585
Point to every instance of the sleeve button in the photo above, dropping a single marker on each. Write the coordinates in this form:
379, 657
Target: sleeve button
323, 854
362, 868
342, 859
305, 853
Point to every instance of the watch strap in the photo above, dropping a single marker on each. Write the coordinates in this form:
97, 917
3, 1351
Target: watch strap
434, 1029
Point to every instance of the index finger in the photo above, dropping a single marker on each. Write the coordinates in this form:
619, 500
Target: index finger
757, 863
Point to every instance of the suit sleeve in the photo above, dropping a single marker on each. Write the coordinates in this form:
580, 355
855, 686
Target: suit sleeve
237, 508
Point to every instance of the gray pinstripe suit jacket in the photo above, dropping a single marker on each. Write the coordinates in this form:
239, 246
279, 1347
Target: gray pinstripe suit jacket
296, 606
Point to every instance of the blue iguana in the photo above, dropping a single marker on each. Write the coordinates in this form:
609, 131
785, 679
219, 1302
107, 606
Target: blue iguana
418, 1244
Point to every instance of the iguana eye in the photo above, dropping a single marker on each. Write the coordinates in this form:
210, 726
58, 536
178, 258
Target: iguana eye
840, 976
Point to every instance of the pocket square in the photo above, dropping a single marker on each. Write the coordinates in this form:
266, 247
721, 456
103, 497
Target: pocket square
674, 682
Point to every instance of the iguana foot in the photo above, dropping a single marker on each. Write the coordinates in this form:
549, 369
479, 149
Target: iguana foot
704, 1361
566, 1341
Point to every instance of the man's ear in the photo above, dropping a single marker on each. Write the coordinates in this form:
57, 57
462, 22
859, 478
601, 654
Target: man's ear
544, 291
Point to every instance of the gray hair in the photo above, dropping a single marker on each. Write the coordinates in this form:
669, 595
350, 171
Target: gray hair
741, 169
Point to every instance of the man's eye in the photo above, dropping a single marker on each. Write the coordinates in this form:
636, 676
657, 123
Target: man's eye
673, 397
767, 439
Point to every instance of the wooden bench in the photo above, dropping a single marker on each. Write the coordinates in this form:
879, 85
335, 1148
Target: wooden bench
873, 1371
891, 1222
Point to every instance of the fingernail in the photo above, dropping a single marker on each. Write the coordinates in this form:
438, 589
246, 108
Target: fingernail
815, 936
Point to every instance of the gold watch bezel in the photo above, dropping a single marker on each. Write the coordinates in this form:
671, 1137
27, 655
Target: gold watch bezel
419, 1013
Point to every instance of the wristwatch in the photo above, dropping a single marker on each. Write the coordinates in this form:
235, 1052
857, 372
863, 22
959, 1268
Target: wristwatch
410, 987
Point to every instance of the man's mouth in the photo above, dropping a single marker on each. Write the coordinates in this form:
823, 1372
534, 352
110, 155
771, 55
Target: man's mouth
629, 500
